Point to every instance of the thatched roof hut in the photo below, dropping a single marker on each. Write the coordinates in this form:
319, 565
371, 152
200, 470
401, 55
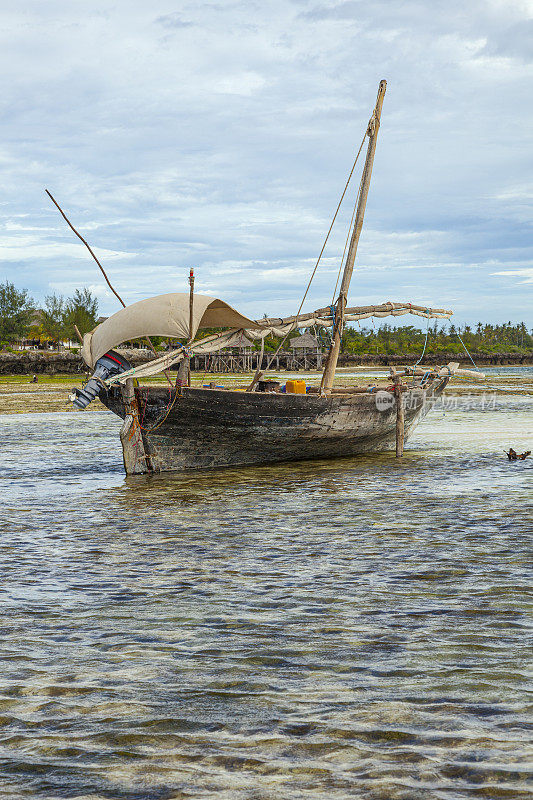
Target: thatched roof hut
305, 344
244, 345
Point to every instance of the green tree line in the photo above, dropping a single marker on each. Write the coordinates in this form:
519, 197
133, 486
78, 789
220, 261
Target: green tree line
388, 340
482, 338
55, 322
20, 317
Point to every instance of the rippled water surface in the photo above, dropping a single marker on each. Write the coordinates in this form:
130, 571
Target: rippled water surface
340, 629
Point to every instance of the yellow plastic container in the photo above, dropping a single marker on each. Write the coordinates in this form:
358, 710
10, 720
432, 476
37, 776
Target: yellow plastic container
295, 387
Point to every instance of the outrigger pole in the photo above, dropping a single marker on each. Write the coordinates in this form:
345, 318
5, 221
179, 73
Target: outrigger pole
333, 354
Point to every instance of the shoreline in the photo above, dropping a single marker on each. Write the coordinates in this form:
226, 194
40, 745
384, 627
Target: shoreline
71, 364
18, 395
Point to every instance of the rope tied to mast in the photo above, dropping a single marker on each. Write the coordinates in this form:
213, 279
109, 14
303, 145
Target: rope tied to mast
372, 124
261, 372
370, 130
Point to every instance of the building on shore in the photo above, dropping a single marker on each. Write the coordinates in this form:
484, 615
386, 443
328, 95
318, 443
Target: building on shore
306, 352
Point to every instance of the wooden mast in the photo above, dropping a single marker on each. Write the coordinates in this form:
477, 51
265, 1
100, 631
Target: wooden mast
191, 305
333, 354
184, 370
191, 321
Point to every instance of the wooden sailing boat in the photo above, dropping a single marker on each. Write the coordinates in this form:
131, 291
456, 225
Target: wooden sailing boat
196, 428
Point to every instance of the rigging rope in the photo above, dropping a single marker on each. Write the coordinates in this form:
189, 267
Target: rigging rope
165, 413
425, 343
466, 351
317, 261
358, 195
332, 224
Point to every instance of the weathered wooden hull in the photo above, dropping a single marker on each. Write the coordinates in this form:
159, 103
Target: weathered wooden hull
207, 429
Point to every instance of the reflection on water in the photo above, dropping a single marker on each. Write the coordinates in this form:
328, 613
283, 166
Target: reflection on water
340, 629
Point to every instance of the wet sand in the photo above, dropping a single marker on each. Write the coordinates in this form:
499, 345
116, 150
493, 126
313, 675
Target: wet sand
19, 396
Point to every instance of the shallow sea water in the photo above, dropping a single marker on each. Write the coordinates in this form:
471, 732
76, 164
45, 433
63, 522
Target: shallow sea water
346, 629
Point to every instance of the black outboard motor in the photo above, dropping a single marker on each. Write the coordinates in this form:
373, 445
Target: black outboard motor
106, 366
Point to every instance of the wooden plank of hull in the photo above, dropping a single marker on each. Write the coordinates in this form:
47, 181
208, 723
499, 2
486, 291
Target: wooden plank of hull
207, 429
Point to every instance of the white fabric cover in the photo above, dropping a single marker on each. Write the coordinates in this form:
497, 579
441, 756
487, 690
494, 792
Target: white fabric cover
164, 315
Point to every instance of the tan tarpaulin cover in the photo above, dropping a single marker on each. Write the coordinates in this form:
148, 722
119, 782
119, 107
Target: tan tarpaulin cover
262, 329
164, 315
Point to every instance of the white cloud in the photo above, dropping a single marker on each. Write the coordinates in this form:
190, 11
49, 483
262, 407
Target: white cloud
526, 274
219, 135
29, 248
520, 193
245, 84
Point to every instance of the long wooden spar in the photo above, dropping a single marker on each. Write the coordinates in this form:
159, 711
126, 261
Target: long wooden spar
333, 354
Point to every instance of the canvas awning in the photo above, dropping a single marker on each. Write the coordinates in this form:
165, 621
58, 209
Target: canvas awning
275, 327
164, 315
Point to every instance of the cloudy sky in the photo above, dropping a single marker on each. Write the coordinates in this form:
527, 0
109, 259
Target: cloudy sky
219, 135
